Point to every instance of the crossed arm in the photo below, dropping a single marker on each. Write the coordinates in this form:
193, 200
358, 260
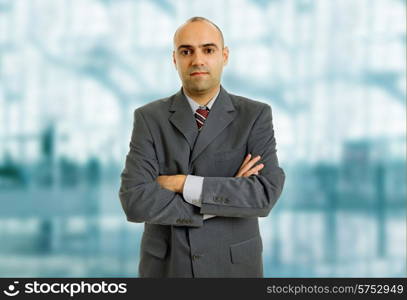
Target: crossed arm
176, 183
147, 197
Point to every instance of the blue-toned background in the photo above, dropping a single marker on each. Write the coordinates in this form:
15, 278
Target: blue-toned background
73, 71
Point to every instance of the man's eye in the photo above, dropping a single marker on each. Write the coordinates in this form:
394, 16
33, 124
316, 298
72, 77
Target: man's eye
185, 52
209, 50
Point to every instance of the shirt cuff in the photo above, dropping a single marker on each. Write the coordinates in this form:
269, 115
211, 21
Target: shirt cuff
193, 190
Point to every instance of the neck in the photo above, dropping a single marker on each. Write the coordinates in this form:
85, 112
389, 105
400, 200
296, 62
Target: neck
204, 98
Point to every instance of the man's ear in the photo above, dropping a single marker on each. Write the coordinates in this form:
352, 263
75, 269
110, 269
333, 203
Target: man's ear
173, 60
225, 53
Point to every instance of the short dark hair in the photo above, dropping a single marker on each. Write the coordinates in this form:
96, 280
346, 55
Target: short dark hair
202, 19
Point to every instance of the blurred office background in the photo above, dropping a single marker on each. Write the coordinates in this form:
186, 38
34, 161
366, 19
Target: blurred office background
73, 71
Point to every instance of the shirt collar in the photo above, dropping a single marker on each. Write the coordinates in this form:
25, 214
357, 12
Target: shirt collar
194, 105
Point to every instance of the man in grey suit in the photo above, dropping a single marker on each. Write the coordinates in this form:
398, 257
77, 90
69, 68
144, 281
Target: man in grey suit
201, 169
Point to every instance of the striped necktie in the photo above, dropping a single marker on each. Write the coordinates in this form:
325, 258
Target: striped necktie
200, 116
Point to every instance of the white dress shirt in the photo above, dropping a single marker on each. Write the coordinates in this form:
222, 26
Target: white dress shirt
193, 184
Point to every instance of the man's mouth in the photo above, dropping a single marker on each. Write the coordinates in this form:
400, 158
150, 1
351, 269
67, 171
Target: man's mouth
199, 73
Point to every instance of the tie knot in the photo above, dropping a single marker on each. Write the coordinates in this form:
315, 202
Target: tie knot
200, 116
203, 110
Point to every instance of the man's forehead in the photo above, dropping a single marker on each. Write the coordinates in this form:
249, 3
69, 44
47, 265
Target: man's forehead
188, 34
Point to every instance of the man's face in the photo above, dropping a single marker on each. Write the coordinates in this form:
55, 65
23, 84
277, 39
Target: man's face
199, 56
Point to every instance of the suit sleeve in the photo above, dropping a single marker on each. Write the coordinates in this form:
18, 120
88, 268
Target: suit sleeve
252, 196
141, 196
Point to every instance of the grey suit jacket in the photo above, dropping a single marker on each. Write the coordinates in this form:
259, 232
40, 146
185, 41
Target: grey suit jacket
165, 140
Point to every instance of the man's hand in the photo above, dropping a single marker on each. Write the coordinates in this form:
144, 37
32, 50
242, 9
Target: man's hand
173, 183
246, 167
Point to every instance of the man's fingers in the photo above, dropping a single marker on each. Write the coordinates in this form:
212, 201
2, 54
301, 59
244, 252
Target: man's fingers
247, 158
248, 166
254, 170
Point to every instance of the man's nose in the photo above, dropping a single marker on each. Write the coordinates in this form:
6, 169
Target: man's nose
198, 59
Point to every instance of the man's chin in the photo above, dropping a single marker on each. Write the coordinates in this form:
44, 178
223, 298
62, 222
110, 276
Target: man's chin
199, 88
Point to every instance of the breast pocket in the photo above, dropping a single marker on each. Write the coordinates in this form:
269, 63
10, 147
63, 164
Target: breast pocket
228, 155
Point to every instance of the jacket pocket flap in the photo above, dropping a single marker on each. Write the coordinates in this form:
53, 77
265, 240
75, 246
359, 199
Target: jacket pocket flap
244, 252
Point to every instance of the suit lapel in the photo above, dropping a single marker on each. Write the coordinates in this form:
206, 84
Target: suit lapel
183, 118
220, 115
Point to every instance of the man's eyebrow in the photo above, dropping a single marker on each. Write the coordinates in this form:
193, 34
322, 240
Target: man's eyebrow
200, 46
209, 45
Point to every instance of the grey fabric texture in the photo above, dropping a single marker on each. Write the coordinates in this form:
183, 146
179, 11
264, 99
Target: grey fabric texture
165, 140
